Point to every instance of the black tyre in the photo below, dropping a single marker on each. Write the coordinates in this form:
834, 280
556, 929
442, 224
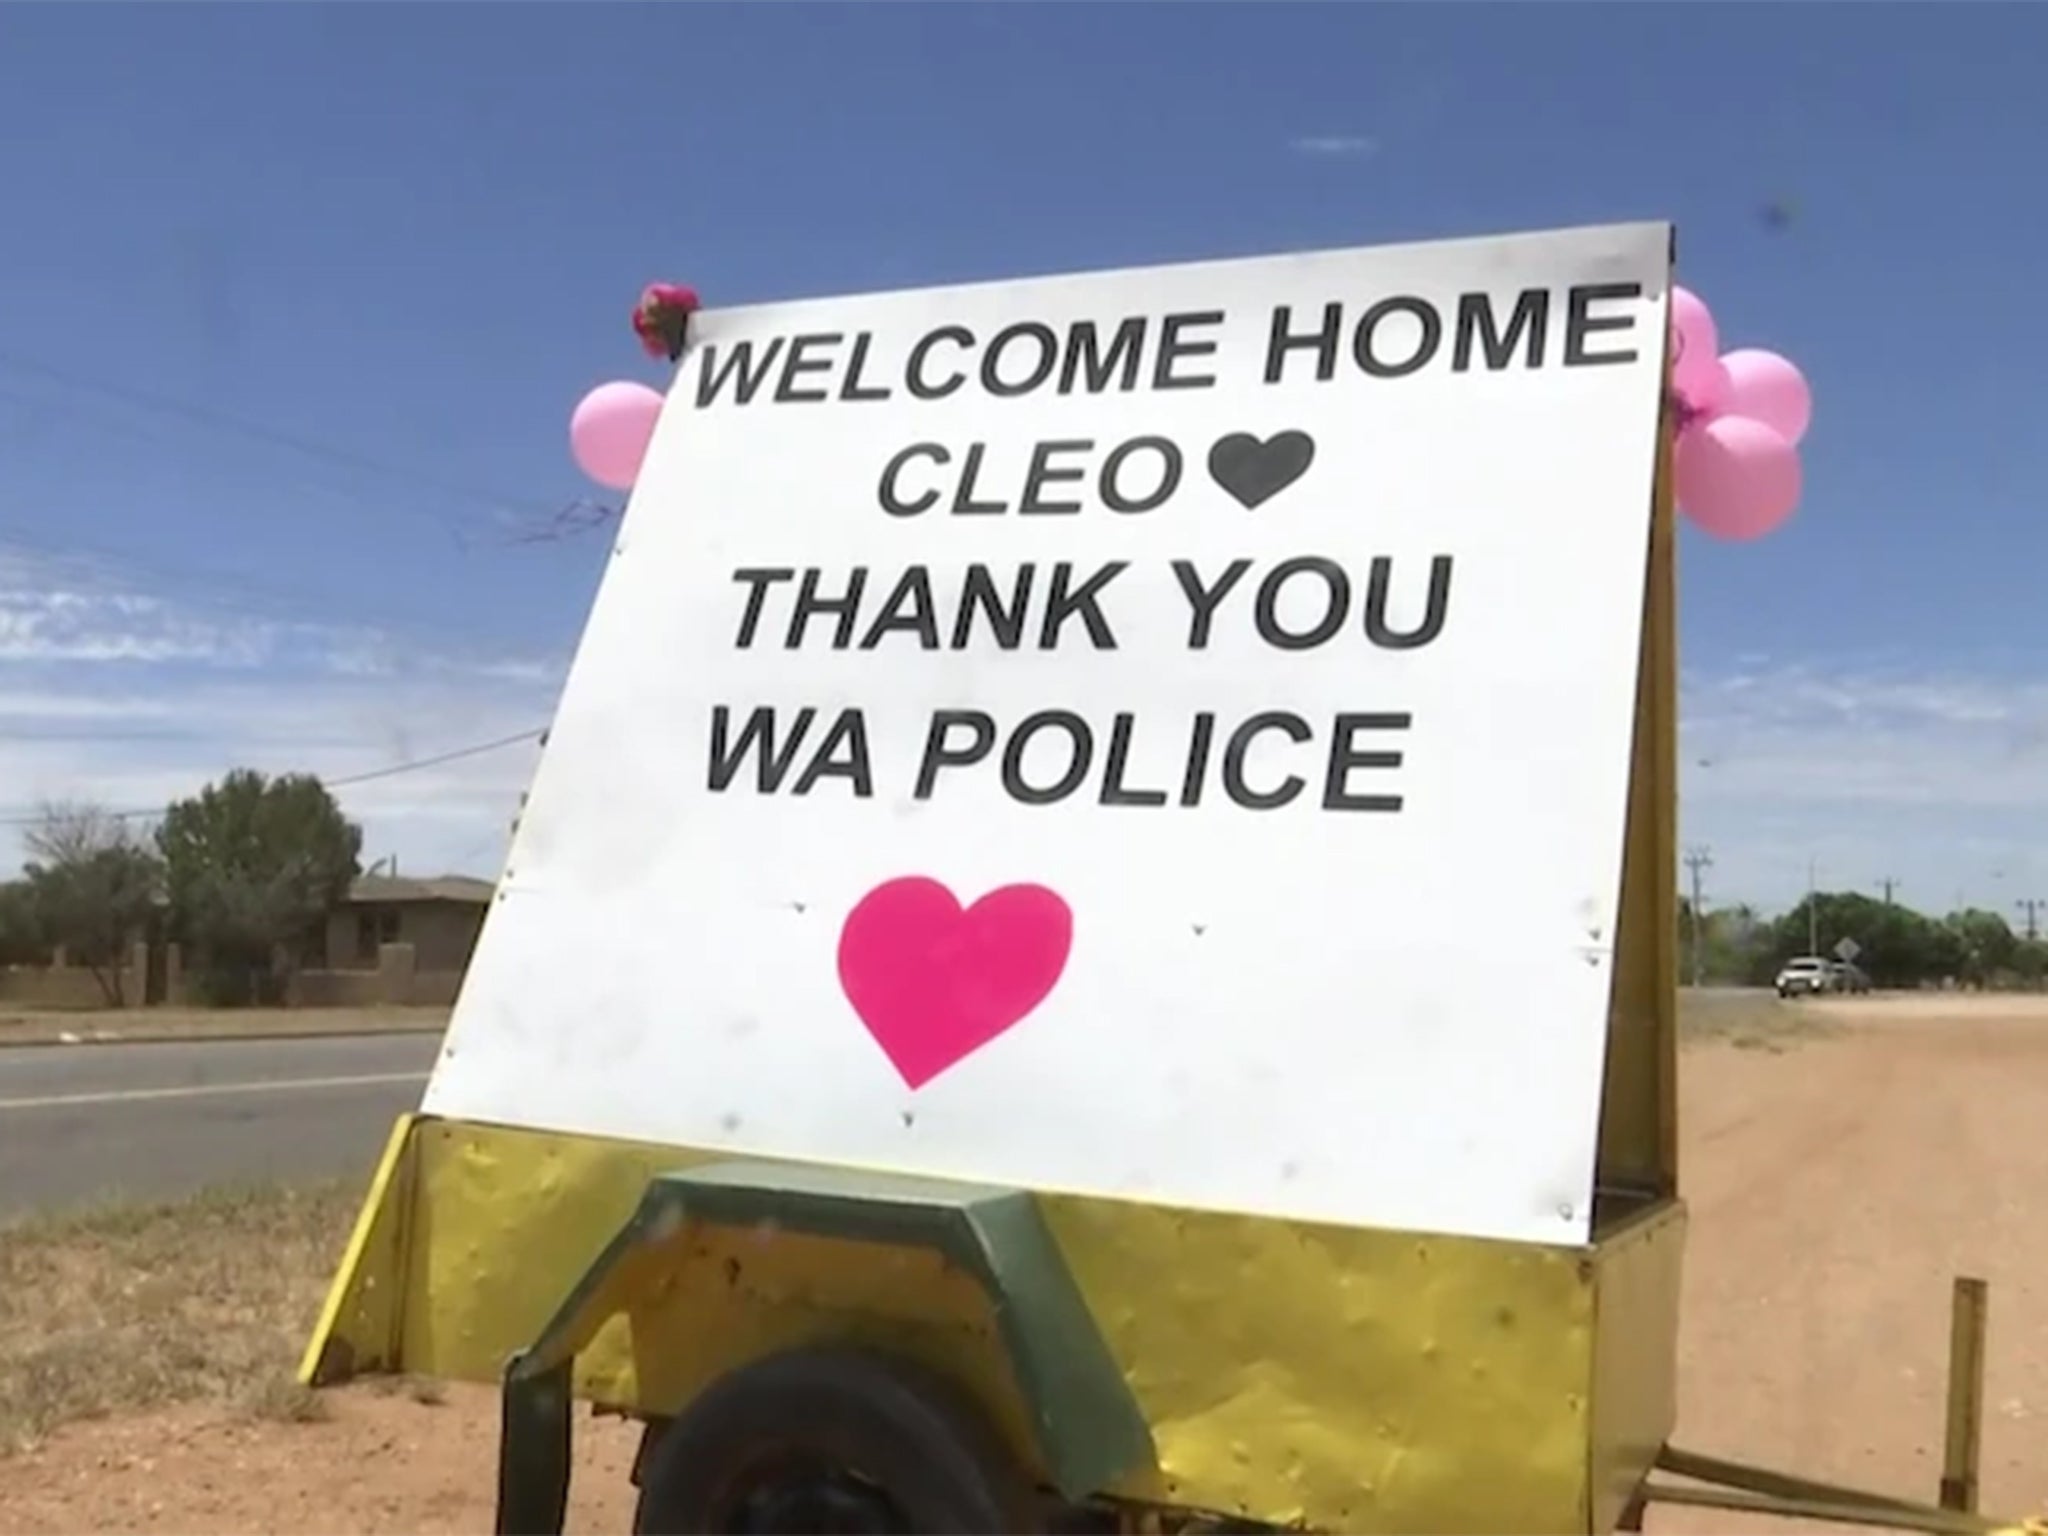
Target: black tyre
832, 1440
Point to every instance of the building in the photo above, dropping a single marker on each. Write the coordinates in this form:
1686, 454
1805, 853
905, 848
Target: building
439, 918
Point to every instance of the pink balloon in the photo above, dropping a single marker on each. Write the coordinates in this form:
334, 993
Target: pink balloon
1695, 345
1705, 393
610, 429
1737, 478
1768, 388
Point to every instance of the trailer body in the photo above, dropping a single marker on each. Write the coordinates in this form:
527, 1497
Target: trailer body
1297, 1199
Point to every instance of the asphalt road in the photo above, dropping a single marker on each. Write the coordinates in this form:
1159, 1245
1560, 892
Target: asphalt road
88, 1122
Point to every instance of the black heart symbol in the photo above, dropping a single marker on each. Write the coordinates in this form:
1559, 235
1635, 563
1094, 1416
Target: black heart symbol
1253, 471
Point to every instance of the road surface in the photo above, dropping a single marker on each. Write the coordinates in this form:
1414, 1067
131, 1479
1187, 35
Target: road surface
88, 1122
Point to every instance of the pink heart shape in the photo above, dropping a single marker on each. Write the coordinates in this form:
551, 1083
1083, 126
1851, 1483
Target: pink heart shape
934, 984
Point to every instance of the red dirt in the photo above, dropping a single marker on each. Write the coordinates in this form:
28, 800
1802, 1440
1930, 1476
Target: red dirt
1837, 1184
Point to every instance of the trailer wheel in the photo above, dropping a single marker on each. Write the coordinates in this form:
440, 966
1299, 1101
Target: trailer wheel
832, 1440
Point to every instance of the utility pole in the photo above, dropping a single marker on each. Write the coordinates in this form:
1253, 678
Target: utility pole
1812, 909
2032, 905
1890, 884
1698, 859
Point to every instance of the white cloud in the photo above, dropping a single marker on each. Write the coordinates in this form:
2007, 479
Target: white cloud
58, 624
1937, 778
1871, 768
130, 700
1335, 146
31, 706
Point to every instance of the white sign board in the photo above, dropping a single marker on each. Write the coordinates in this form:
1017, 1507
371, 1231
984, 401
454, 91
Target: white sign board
1066, 733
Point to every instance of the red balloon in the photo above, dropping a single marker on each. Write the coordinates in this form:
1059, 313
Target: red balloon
1737, 478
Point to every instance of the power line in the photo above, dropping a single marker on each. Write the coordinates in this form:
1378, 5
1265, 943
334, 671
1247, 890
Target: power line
222, 421
393, 770
516, 521
389, 771
308, 487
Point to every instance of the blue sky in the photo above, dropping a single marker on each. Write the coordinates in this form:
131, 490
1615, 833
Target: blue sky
294, 302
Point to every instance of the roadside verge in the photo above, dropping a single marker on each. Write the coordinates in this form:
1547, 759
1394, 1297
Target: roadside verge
26, 1027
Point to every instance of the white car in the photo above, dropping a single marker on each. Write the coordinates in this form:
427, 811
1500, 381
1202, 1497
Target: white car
1805, 976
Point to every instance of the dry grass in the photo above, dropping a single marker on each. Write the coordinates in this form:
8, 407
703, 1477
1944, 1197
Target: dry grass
1750, 1019
32, 1026
213, 1298
208, 1298
424, 1390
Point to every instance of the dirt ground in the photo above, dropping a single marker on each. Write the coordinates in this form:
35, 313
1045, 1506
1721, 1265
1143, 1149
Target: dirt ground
1840, 1171
33, 1026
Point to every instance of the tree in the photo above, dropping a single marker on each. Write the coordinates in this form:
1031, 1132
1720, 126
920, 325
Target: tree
253, 865
1734, 943
92, 886
1985, 946
21, 928
2030, 963
1896, 946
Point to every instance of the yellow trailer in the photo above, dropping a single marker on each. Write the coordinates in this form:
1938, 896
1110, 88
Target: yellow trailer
1233, 1162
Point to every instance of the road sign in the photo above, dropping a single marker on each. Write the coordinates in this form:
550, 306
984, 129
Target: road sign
1847, 951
